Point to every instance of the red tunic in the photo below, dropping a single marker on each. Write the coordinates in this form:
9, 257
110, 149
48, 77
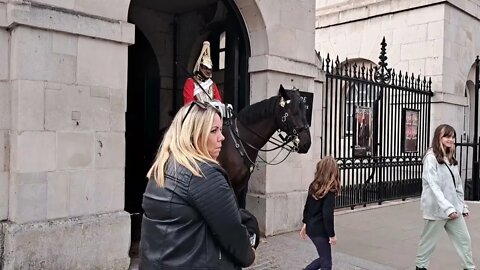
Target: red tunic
189, 88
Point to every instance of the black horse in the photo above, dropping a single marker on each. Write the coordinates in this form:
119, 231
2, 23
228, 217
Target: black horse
246, 133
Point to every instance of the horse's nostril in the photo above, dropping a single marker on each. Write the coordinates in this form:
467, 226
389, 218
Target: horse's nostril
305, 147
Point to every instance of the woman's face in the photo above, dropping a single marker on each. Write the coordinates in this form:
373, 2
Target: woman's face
448, 141
215, 138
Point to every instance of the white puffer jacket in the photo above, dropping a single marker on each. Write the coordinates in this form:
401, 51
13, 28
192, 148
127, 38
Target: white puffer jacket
440, 197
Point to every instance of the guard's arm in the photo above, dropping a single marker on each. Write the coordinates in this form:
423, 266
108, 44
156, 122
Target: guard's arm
216, 93
188, 90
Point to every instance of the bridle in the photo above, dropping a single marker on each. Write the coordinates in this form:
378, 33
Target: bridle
291, 131
282, 122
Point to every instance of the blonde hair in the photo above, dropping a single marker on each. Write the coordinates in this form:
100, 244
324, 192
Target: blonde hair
185, 141
327, 178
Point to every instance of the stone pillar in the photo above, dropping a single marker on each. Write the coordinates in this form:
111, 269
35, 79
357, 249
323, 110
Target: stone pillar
63, 70
283, 52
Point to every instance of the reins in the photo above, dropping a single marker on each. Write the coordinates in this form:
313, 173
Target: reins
240, 143
278, 143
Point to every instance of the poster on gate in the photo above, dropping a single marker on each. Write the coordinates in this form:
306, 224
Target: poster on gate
363, 131
307, 99
409, 130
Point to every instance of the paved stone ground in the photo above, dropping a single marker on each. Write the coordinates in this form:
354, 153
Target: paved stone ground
373, 238
289, 251
389, 235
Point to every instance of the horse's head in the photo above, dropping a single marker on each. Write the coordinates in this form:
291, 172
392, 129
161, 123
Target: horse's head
292, 118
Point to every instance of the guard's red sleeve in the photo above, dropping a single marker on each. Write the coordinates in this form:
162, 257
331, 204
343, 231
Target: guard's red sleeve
188, 91
216, 93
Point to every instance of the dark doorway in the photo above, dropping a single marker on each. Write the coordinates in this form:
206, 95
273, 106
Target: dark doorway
228, 55
142, 123
169, 36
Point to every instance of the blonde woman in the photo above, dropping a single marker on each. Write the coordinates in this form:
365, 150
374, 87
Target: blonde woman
442, 200
318, 221
191, 218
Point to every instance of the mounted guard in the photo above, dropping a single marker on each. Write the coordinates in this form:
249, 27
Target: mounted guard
200, 86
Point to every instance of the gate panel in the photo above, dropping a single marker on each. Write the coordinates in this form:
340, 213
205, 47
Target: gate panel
468, 149
376, 124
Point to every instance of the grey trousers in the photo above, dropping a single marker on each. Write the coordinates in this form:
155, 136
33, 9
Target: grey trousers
457, 232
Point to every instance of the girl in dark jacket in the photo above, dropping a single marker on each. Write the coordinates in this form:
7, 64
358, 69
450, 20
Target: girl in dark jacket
318, 212
191, 218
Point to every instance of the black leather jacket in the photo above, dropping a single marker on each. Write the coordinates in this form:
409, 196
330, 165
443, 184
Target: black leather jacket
193, 222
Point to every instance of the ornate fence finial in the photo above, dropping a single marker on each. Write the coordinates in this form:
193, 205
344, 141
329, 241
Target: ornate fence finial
477, 61
337, 66
346, 67
363, 70
327, 63
394, 77
382, 73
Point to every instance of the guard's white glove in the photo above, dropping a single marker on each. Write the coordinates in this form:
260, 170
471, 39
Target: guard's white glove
224, 109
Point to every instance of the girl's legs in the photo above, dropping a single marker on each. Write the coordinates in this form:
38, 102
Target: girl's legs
458, 233
428, 241
324, 253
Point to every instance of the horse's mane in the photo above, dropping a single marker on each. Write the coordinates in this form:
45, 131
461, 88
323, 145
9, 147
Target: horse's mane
256, 112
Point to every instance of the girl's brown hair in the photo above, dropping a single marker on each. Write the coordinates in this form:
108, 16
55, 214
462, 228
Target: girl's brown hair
327, 178
438, 149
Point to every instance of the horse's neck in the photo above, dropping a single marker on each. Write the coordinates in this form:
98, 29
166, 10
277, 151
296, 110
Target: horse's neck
259, 133
257, 122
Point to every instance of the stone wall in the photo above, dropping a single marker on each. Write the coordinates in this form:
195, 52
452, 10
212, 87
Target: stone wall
87, 242
63, 70
282, 53
4, 118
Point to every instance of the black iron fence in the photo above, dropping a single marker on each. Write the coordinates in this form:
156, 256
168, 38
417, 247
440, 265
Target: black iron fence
376, 124
468, 149
464, 148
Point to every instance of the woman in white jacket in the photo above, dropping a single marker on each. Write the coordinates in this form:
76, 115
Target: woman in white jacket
442, 200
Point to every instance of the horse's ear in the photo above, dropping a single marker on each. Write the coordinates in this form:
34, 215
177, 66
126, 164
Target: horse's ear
283, 92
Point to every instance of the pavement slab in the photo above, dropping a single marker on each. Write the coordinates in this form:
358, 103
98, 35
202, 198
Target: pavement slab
376, 237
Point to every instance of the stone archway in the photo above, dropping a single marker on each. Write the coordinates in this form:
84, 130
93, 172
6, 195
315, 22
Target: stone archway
255, 24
